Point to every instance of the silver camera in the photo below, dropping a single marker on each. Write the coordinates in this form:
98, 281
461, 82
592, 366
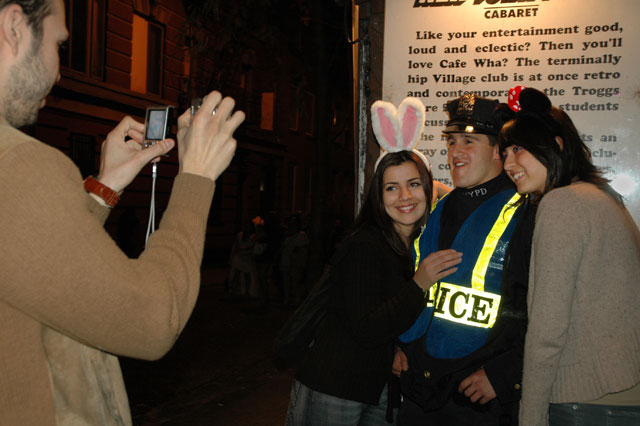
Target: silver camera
157, 124
196, 103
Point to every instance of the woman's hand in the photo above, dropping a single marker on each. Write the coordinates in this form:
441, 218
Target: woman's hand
436, 266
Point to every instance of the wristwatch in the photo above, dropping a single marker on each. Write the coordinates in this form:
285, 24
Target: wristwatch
108, 195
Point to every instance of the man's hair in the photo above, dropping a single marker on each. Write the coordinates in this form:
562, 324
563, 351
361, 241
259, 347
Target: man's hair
36, 11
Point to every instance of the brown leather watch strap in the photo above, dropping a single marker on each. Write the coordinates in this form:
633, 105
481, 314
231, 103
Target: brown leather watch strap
94, 186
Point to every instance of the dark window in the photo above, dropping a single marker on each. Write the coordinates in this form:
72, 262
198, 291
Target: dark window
292, 187
268, 189
294, 109
306, 113
99, 24
154, 58
86, 45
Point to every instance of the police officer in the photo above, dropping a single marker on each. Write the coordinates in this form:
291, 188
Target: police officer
463, 362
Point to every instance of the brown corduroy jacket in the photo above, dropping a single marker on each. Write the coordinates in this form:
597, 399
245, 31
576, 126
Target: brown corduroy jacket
70, 299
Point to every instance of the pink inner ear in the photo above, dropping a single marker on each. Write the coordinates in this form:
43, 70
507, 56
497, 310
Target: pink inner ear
409, 123
387, 129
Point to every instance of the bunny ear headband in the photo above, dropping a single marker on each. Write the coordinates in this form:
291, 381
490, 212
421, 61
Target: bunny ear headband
398, 130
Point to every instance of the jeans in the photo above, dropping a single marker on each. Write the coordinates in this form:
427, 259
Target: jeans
310, 408
578, 414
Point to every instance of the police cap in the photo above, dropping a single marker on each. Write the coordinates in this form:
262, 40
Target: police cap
473, 114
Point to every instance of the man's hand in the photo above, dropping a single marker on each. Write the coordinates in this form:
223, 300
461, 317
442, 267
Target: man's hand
477, 387
400, 363
121, 161
205, 141
436, 266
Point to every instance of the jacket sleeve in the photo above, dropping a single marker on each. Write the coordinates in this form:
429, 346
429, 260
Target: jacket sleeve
555, 260
505, 370
61, 268
374, 317
505, 374
100, 212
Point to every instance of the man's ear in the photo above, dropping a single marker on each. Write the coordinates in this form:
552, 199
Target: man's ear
14, 27
496, 152
560, 142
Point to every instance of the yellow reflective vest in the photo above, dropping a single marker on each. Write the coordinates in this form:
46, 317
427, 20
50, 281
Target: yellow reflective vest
461, 309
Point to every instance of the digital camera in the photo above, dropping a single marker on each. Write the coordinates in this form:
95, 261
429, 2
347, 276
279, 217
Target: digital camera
196, 103
158, 123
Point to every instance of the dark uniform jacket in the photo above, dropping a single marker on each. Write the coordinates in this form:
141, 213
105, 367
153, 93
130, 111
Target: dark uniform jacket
476, 321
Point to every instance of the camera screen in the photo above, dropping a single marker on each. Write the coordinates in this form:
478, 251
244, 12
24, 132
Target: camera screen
156, 124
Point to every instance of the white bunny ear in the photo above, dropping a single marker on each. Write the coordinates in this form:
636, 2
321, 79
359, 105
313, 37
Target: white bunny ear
386, 126
411, 117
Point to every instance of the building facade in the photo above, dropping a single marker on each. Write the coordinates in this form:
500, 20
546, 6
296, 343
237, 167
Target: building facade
125, 55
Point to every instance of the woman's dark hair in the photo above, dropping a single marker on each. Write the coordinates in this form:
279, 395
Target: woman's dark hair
535, 129
36, 11
373, 212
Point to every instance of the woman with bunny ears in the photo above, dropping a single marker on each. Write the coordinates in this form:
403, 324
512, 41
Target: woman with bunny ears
582, 348
343, 378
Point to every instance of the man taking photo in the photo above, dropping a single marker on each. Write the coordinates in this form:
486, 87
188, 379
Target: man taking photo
69, 298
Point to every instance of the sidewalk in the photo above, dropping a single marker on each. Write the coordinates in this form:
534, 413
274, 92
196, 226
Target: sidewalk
221, 370
265, 405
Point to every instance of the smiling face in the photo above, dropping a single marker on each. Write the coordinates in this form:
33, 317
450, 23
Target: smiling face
404, 197
31, 79
524, 169
472, 160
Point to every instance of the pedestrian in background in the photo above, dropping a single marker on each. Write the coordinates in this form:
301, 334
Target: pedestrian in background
293, 261
241, 261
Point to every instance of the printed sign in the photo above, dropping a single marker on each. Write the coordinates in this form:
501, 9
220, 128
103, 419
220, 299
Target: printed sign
582, 53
